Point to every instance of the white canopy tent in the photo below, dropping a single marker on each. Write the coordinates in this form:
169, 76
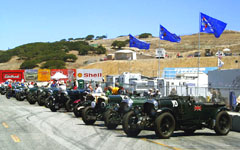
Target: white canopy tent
58, 76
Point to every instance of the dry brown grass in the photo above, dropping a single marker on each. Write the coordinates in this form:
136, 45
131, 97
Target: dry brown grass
149, 67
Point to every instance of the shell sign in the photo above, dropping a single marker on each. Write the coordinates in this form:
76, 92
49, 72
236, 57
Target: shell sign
90, 74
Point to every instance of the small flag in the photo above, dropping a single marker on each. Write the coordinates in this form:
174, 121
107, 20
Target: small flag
168, 36
134, 42
198, 108
211, 25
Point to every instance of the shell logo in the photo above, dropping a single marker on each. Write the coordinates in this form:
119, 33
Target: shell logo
80, 75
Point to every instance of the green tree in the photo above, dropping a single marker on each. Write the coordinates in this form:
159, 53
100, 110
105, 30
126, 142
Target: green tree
54, 64
145, 35
89, 37
29, 64
119, 44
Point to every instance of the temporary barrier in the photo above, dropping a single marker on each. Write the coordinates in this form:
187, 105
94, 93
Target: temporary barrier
43, 74
70, 73
31, 75
15, 75
90, 74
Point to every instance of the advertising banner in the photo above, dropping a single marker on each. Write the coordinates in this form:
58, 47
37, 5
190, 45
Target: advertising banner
89, 74
15, 75
43, 74
69, 73
31, 75
172, 72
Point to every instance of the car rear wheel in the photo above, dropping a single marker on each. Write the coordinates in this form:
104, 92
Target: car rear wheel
69, 105
52, 106
86, 114
223, 123
40, 100
164, 125
108, 116
130, 124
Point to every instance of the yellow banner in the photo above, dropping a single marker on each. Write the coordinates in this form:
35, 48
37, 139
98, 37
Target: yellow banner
44, 74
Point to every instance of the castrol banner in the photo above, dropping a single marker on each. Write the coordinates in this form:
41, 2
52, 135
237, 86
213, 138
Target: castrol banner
43, 74
90, 74
14, 75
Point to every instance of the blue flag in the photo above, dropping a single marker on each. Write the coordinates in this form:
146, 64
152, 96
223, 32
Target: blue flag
166, 35
134, 42
211, 25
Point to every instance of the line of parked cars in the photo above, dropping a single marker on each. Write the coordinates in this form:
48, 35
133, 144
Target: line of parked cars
135, 113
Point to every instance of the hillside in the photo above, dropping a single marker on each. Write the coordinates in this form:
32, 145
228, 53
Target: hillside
188, 45
149, 67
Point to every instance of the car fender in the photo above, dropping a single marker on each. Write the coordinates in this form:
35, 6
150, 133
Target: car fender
164, 109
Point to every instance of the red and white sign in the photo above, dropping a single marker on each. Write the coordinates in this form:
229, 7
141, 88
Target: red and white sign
90, 74
15, 75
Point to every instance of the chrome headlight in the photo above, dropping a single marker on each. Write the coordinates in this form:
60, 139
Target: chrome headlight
93, 104
128, 101
103, 104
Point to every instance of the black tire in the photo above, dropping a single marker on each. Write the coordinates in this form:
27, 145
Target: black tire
223, 123
8, 94
85, 113
46, 103
77, 112
128, 120
165, 125
17, 96
31, 99
21, 97
40, 101
52, 106
189, 131
107, 120
69, 106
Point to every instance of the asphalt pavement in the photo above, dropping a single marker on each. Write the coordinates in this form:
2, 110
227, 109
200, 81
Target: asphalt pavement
32, 127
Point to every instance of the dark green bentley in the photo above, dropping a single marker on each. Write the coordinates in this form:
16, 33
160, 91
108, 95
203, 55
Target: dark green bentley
168, 114
114, 114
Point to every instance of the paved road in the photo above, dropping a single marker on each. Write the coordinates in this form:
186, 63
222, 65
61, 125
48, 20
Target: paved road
27, 127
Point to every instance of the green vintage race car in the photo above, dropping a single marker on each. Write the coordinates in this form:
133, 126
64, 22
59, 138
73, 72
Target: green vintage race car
168, 114
113, 116
96, 107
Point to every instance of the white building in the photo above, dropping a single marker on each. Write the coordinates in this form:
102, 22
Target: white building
125, 55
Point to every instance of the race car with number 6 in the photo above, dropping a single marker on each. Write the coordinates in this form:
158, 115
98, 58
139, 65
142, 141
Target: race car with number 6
168, 114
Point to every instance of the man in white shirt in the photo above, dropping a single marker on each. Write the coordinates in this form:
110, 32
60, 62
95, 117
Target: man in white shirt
98, 89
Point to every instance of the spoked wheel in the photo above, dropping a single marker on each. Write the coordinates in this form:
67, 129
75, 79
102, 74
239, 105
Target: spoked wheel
86, 115
40, 100
77, 110
130, 124
69, 105
52, 106
164, 125
108, 117
223, 123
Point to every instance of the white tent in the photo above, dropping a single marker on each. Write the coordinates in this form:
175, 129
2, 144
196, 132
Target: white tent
226, 50
58, 76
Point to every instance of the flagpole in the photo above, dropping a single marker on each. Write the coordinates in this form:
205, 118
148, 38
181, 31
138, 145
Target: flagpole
198, 56
159, 60
158, 53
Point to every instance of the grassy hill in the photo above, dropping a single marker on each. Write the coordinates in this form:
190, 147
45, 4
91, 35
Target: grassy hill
188, 45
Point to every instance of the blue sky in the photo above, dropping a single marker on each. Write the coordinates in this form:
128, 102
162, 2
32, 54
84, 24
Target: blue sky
28, 21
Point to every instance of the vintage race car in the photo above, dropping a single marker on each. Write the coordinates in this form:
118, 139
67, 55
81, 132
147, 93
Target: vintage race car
168, 114
113, 116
